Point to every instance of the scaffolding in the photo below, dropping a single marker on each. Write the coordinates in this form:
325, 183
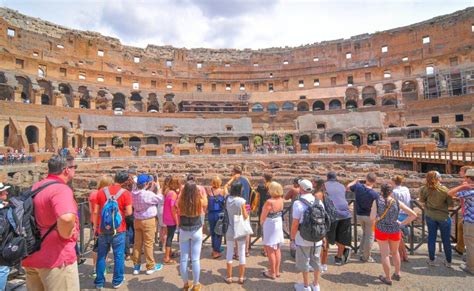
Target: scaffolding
449, 83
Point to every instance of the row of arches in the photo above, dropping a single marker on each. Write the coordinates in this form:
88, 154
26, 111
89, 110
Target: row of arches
302, 106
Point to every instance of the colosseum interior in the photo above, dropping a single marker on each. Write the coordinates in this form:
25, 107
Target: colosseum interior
408, 89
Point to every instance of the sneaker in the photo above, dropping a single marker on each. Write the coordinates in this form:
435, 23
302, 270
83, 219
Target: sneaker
465, 269
93, 275
118, 285
432, 263
346, 254
396, 277
448, 264
324, 268
157, 268
136, 269
315, 287
369, 260
337, 261
301, 287
99, 287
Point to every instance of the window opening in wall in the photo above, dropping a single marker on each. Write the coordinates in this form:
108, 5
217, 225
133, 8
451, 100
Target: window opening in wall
270, 87
357, 46
153, 73
136, 60
198, 87
100, 78
35, 54
333, 81
242, 87
169, 63
102, 127
119, 69
255, 64
10, 32
271, 75
199, 65
348, 56
453, 61
100, 53
118, 80
301, 83
82, 76
42, 71
429, 70
455, 84
387, 74
405, 59
185, 86
59, 46
459, 117
20, 63
426, 39
384, 49
285, 62
302, 97
135, 85
228, 87
350, 81
81, 63
228, 127
434, 119
407, 70
169, 86
368, 76
153, 83
366, 65
316, 82
63, 72
316, 59
213, 87
227, 65
321, 126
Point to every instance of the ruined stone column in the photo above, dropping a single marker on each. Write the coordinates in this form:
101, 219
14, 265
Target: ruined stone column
37, 95
58, 98
17, 95
77, 99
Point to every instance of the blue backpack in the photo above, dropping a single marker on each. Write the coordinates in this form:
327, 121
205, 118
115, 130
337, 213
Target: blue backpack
111, 219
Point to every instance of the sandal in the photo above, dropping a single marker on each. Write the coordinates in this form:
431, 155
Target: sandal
385, 281
396, 277
169, 262
266, 274
216, 255
228, 280
247, 254
235, 257
242, 280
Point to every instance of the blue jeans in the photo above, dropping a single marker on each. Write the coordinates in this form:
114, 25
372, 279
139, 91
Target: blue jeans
213, 216
445, 229
117, 243
4, 271
130, 238
190, 243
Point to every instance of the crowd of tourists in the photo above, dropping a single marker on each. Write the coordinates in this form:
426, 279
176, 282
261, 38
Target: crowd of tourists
132, 213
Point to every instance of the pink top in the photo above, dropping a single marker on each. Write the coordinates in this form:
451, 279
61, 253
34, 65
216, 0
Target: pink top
51, 203
167, 209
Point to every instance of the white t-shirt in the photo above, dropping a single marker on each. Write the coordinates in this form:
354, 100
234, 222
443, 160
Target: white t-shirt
402, 194
298, 212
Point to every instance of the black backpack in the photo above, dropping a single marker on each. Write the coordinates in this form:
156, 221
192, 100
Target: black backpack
315, 222
19, 235
223, 222
330, 208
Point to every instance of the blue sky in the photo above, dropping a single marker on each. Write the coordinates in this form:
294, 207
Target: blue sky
233, 23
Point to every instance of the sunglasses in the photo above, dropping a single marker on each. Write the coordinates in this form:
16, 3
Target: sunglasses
72, 167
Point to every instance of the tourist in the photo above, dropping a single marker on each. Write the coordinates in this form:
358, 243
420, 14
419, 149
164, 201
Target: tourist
294, 190
170, 216
54, 266
319, 192
402, 194
235, 206
384, 214
190, 208
161, 225
262, 190
215, 209
340, 231
460, 246
4, 270
466, 192
112, 237
437, 202
104, 181
202, 192
272, 222
145, 204
364, 197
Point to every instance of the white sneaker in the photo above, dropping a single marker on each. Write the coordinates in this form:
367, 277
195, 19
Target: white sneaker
301, 287
315, 287
324, 268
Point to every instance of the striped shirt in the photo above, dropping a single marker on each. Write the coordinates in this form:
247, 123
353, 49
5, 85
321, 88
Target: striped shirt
468, 196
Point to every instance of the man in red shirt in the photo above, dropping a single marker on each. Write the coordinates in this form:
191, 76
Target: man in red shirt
116, 241
54, 266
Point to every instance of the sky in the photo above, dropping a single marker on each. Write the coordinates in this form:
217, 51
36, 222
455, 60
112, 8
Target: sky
236, 24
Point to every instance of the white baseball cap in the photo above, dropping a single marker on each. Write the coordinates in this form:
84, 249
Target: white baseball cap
4, 187
306, 185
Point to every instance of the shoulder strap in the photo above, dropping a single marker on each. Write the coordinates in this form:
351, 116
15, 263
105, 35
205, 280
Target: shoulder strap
386, 211
42, 187
119, 193
48, 232
306, 202
107, 193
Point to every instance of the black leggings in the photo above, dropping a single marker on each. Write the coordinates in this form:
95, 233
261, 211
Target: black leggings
170, 234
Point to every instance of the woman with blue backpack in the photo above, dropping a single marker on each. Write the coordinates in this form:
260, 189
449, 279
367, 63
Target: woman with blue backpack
215, 208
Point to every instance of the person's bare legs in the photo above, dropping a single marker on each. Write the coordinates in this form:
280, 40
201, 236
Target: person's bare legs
306, 279
402, 250
271, 260
384, 258
395, 255
316, 278
277, 261
324, 253
340, 250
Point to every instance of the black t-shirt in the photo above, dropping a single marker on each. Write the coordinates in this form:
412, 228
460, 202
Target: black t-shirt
263, 196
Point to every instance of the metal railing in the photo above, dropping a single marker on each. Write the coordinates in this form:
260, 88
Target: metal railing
442, 156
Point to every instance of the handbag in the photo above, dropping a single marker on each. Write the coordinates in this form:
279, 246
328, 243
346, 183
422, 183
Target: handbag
242, 227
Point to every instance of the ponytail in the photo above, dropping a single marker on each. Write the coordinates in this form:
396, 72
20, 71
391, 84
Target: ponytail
386, 190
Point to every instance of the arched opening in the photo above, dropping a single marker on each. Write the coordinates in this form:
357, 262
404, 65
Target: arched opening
214, 107
288, 106
304, 140
303, 106
335, 104
244, 141
6, 92
352, 94
6, 134
199, 141
46, 95
289, 140
338, 138
152, 140
351, 104
414, 133
45, 100
258, 140
228, 107
257, 107
3, 78
135, 142
272, 108
439, 137
369, 102
409, 90
32, 134
136, 97
199, 107
274, 139
152, 109
169, 107
372, 137
216, 142
66, 90
318, 106
153, 104
102, 127
73, 140
461, 133
354, 139
184, 139
25, 84
117, 142
369, 92
84, 103
389, 101
389, 88
118, 102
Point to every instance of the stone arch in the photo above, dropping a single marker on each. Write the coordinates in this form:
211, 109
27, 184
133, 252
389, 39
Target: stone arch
3, 78
389, 101
215, 141
152, 140
338, 138
369, 102
372, 137
153, 108
288, 140
257, 107
257, 140
118, 102
136, 97
153, 104
288, 106
6, 134
462, 133
410, 90
272, 108
169, 107
389, 88
439, 136
32, 134
244, 141
414, 133
48, 91
303, 106
304, 141
369, 92
319, 105
355, 139
84, 101
275, 139
352, 93
135, 141
6, 92
26, 88
335, 104
66, 90
351, 104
